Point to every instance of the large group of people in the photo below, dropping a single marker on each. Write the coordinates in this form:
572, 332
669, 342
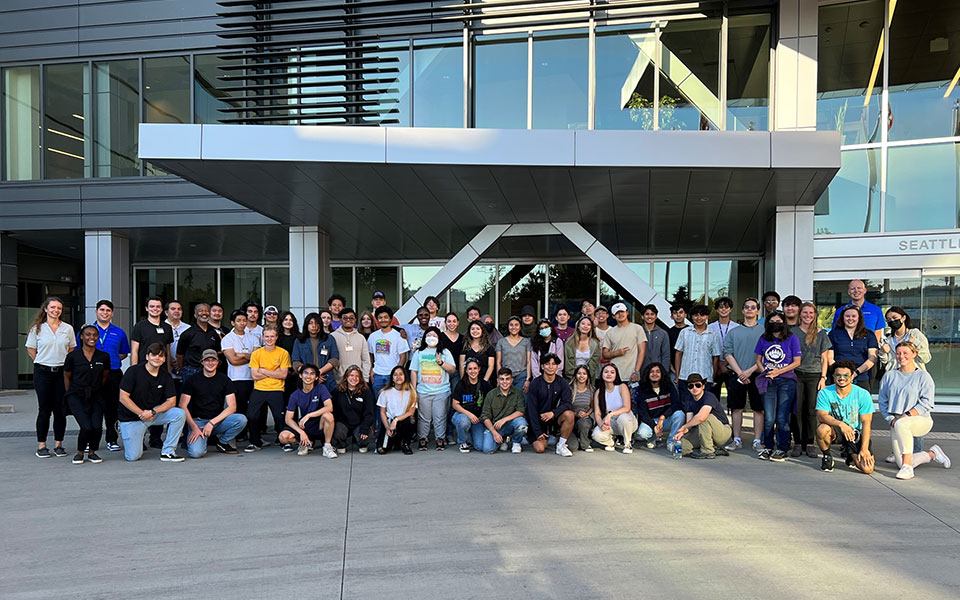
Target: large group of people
597, 381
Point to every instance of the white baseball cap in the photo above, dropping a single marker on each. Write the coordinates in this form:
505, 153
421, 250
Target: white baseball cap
618, 307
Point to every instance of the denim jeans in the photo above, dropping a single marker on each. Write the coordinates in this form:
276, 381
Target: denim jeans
673, 422
379, 382
516, 429
519, 379
132, 432
467, 431
778, 400
225, 431
186, 373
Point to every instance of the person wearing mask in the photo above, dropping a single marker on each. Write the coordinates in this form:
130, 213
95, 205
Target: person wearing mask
85, 372
351, 345
550, 408
678, 314
367, 325
380, 299
906, 402
582, 390
698, 349
354, 411
415, 331
738, 349
309, 416
543, 343
237, 347
269, 366
388, 350
706, 429
528, 322
148, 396
845, 414
583, 349
271, 316
513, 352
477, 346
811, 378
398, 406
468, 397
209, 403
658, 408
112, 340
601, 320
493, 334
502, 415
626, 344
721, 327
872, 314
613, 411
194, 341
658, 340
252, 310
791, 310
563, 329
771, 302
902, 330
317, 347
778, 354
49, 340
336, 303
430, 368
855, 343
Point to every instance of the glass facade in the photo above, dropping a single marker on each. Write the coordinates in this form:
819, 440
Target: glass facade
748, 73
438, 84
66, 121
116, 85
373, 279
560, 70
209, 99
231, 286
500, 82
21, 123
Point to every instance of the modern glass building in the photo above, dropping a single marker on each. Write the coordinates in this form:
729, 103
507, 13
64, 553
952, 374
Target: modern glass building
497, 153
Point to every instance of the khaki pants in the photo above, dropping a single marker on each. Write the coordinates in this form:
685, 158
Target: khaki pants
903, 433
707, 436
623, 425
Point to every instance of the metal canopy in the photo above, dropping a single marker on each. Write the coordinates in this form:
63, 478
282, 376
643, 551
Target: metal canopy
417, 193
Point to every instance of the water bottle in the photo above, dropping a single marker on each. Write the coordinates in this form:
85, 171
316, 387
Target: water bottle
677, 450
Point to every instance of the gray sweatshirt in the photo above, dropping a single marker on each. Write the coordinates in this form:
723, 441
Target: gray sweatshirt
900, 392
658, 347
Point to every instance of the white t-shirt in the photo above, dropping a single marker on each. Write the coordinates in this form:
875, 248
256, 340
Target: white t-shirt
256, 332
723, 330
244, 344
386, 350
395, 402
52, 347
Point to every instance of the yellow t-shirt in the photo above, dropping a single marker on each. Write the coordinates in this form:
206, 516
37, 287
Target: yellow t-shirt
273, 360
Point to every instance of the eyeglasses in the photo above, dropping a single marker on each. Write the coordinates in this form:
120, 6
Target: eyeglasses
694, 386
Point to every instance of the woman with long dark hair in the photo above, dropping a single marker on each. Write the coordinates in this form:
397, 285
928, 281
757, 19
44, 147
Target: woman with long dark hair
658, 407
316, 346
398, 409
582, 388
854, 342
48, 341
430, 368
544, 342
902, 330
778, 354
477, 345
613, 411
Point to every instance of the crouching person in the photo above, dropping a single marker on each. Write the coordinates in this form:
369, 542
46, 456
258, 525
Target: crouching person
707, 428
845, 413
148, 397
209, 402
398, 407
502, 415
309, 415
550, 408
613, 411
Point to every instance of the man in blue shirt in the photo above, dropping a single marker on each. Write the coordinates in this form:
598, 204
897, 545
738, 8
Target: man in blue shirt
845, 412
872, 314
112, 340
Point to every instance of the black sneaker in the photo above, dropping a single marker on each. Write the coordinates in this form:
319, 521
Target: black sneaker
92, 457
826, 463
764, 454
226, 448
43, 452
59, 451
78, 458
288, 447
252, 448
422, 445
405, 448
778, 456
170, 458
721, 451
699, 454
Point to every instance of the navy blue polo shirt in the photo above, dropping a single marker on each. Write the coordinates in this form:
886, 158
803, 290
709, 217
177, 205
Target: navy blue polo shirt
872, 316
855, 350
111, 340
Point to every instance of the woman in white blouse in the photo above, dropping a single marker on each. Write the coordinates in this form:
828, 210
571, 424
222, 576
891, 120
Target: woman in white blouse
49, 340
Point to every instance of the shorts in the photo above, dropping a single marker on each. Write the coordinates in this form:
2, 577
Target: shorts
850, 447
315, 435
737, 394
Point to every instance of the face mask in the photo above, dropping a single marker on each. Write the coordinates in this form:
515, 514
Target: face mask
488, 327
430, 340
544, 333
895, 324
776, 327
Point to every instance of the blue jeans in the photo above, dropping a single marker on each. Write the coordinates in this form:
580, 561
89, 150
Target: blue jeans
778, 400
225, 431
674, 421
467, 431
516, 429
132, 432
188, 372
519, 379
379, 382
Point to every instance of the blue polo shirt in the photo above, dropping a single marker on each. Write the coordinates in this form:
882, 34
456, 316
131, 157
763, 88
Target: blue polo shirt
872, 316
113, 341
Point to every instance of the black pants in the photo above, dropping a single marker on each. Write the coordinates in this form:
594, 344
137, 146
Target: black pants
257, 400
89, 415
405, 430
110, 393
49, 387
342, 432
243, 389
803, 424
721, 379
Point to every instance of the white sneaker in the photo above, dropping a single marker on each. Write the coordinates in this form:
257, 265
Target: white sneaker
341, 450
733, 446
605, 449
329, 452
363, 449
758, 447
588, 449
628, 449
516, 449
906, 472
940, 456
891, 458
562, 450
303, 450
465, 448
651, 445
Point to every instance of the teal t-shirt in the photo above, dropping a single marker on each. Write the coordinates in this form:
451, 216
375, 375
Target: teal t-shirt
858, 402
431, 378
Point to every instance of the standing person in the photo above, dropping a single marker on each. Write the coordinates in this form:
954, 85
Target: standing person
415, 331
678, 314
326, 319
336, 303
872, 314
563, 328
778, 354
543, 343
550, 408
601, 319
216, 319
582, 349
477, 346
351, 345
271, 316
902, 330
626, 344
149, 397
906, 403
513, 352
269, 366
581, 391
201, 336
318, 348
845, 414
432, 305
855, 343
613, 411
658, 408
738, 349
706, 429
112, 340
452, 340
811, 378
398, 405
503, 416
289, 332
368, 324
722, 327
467, 402
152, 330
309, 416
771, 302
252, 310
791, 310
388, 350
380, 299
493, 334
528, 325
698, 349
237, 347
85, 372
473, 314
430, 368
48, 341
354, 411
209, 403
173, 310
587, 308
659, 345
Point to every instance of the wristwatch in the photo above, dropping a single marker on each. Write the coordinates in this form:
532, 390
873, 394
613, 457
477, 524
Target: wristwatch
153, 411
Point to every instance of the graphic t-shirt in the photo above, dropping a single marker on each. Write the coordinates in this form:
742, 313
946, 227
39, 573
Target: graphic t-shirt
386, 350
471, 395
432, 379
849, 409
778, 354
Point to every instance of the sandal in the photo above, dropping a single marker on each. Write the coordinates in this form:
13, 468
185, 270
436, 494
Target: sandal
422, 445
441, 444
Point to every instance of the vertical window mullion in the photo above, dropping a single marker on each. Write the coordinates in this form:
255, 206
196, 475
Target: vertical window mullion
140, 120
592, 74
656, 78
724, 38
884, 115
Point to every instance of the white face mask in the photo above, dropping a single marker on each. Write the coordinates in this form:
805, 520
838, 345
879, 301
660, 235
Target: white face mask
430, 340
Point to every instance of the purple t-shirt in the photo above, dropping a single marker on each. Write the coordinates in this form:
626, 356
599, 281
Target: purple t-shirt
779, 354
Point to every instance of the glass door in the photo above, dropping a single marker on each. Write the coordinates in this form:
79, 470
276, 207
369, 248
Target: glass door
940, 322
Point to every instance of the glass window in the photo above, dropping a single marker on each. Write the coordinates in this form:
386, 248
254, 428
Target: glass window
560, 64
924, 57
748, 73
659, 283
195, 285
850, 70
903, 292
689, 74
624, 94
521, 285
210, 99
277, 287
438, 84
151, 282
342, 281
500, 82
569, 285
851, 203
940, 322
166, 90
319, 82
66, 128
118, 117
238, 286
396, 95
736, 279
477, 288
922, 191
372, 279
21, 123
415, 278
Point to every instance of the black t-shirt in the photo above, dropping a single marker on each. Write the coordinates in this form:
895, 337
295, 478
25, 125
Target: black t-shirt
674, 334
455, 347
470, 396
207, 394
483, 358
146, 333
194, 341
145, 390
692, 406
86, 375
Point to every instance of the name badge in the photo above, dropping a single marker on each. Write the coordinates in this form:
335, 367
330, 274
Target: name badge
160, 330
348, 348
324, 351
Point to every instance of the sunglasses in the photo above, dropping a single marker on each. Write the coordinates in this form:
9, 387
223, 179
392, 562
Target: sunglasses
270, 312
842, 376
693, 386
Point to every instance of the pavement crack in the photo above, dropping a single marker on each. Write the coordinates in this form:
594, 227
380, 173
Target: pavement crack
346, 525
935, 517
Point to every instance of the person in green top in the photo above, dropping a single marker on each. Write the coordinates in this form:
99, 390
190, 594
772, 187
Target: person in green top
502, 415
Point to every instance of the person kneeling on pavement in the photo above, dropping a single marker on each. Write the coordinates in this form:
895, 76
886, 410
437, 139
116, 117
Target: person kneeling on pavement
354, 411
845, 412
550, 407
502, 415
468, 399
309, 416
707, 428
148, 397
209, 403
